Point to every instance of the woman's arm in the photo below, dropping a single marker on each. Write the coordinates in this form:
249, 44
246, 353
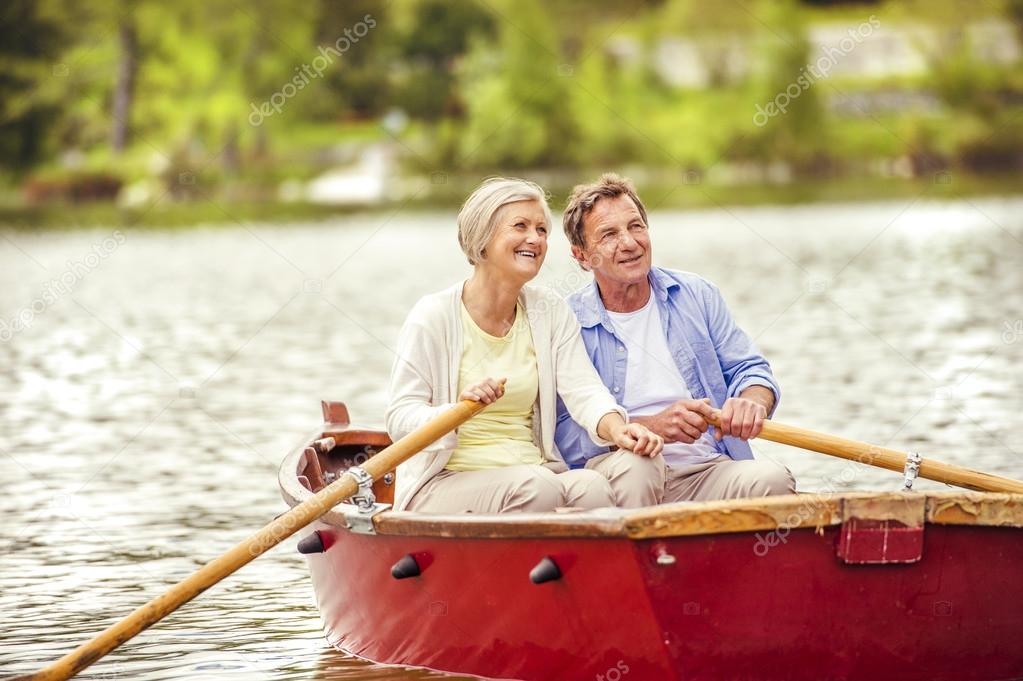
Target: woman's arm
586, 397
632, 436
414, 374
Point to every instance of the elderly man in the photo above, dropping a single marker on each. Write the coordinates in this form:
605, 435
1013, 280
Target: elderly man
665, 344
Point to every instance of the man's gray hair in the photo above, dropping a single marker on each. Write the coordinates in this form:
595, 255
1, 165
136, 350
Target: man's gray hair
476, 219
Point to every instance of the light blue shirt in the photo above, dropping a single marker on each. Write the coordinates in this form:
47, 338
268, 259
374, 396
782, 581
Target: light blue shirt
714, 356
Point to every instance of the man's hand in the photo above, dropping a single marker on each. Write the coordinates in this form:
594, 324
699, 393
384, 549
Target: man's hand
637, 438
742, 418
682, 421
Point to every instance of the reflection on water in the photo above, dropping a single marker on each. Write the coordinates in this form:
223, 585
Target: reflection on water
145, 407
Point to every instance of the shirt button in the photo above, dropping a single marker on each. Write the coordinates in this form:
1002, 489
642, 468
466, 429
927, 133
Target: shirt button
616, 388
621, 348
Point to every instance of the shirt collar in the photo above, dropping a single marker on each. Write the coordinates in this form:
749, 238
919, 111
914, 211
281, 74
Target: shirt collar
662, 283
591, 306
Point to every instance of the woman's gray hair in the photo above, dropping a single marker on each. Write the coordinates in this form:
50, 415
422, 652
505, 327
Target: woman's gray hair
476, 219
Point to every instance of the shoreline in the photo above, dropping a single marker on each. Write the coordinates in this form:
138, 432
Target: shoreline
425, 194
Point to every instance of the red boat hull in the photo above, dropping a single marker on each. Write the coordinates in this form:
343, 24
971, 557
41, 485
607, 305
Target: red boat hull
853, 586
725, 609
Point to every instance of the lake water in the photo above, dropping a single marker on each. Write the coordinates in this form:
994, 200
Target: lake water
156, 384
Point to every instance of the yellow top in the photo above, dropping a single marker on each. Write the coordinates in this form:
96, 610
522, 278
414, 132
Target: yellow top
502, 434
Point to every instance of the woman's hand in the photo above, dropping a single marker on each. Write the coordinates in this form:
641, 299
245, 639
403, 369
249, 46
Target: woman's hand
486, 391
638, 438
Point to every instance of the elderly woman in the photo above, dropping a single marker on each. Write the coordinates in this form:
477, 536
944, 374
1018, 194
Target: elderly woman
516, 348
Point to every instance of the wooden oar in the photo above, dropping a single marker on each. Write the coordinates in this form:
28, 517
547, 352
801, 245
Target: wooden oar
268, 537
882, 457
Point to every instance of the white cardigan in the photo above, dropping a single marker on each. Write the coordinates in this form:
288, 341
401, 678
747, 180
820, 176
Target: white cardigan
424, 379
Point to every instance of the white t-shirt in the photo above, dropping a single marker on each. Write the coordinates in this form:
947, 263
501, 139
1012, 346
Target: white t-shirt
653, 381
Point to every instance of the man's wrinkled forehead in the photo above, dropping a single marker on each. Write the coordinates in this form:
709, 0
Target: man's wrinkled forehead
611, 212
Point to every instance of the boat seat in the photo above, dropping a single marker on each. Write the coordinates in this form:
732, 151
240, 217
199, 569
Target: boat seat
353, 446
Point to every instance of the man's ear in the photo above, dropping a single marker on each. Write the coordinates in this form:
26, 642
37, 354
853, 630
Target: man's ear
580, 258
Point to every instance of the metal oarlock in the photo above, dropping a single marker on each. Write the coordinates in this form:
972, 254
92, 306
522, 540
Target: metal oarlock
360, 519
364, 498
910, 472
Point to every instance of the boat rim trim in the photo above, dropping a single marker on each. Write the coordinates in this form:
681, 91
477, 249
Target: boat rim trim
793, 511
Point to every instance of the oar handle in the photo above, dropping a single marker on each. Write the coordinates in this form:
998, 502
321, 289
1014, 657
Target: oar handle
250, 549
882, 457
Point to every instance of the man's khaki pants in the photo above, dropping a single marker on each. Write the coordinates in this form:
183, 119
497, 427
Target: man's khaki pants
635, 480
511, 488
724, 478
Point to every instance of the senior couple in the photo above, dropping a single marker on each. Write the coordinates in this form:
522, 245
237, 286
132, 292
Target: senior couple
600, 400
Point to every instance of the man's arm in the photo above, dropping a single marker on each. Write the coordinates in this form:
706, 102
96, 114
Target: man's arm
753, 392
741, 363
761, 395
684, 421
743, 416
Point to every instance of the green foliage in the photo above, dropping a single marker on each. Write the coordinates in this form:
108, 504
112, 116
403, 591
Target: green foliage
32, 39
483, 87
357, 85
799, 133
966, 83
998, 148
516, 96
441, 30
439, 34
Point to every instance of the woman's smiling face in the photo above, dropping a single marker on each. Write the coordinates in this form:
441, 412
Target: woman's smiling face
519, 244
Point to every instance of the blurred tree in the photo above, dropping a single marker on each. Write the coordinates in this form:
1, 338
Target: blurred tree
144, 88
32, 36
124, 87
798, 131
516, 95
975, 89
359, 84
206, 68
440, 30
439, 33
1014, 12
966, 83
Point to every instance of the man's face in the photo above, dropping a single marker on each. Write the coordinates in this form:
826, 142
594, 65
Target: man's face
617, 240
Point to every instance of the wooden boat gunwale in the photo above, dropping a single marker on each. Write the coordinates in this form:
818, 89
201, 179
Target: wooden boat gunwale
805, 510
